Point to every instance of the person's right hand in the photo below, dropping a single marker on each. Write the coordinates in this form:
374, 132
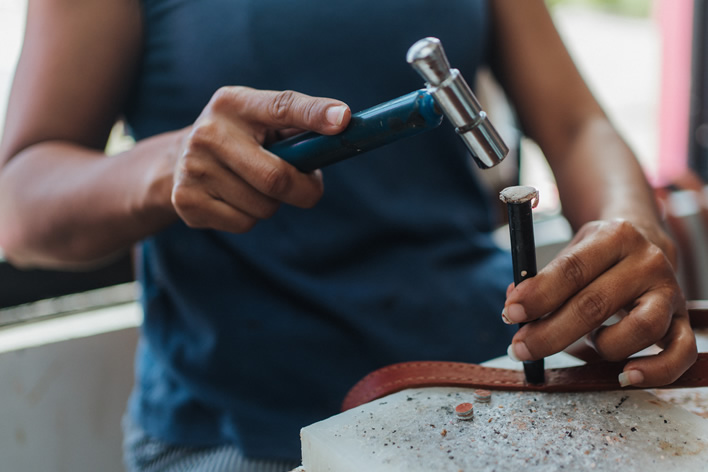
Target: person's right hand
225, 180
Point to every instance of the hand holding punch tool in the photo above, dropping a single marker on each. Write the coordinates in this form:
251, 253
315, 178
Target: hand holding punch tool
446, 93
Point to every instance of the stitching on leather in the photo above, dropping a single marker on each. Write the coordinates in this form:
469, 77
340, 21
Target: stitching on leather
462, 380
376, 391
416, 365
364, 390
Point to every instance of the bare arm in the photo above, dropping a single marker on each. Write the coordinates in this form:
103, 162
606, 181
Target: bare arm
597, 174
63, 203
620, 258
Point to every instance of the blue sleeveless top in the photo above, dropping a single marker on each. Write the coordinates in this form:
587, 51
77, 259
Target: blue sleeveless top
247, 338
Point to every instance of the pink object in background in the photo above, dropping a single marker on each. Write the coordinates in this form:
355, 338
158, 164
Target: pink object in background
676, 23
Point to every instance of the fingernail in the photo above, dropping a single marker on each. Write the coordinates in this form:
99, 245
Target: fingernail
518, 352
335, 114
630, 377
504, 318
515, 313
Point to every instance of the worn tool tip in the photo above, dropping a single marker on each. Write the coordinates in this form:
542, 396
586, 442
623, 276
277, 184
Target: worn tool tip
519, 194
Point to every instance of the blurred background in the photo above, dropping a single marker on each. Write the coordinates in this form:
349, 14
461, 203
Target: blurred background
67, 339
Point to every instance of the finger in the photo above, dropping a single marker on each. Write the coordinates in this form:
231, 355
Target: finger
207, 175
199, 210
581, 314
509, 288
283, 109
584, 350
237, 193
646, 323
572, 270
277, 179
262, 170
664, 368
281, 134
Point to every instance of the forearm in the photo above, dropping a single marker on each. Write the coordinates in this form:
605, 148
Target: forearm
599, 178
63, 206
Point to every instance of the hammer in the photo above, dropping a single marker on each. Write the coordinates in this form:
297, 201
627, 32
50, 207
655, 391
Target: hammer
446, 93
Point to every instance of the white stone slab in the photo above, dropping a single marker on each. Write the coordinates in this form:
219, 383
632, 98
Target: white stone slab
417, 430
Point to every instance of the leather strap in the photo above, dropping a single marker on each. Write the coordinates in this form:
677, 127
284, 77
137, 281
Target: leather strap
698, 313
601, 375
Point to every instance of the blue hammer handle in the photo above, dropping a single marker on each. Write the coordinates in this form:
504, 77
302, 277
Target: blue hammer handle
382, 124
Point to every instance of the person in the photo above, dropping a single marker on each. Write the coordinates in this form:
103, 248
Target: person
267, 296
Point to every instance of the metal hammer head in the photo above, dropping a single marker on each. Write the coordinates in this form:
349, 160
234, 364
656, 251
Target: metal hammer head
458, 103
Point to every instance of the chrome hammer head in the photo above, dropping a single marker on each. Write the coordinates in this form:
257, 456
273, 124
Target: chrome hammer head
458, 103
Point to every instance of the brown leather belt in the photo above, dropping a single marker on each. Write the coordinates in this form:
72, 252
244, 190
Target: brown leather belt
600, 375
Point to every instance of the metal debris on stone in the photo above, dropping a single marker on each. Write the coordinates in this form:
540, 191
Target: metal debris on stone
482, 396
465, 411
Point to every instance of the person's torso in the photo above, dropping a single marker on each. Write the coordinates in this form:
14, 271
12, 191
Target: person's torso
382, 269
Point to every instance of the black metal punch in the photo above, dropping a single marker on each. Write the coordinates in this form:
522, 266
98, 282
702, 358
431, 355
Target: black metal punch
520, 201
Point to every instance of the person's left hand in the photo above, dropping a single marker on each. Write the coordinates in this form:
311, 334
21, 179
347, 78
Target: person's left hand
609, 268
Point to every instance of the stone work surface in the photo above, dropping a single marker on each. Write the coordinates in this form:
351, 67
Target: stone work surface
417, 430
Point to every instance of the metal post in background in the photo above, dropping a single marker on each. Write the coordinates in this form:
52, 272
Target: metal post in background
698, 121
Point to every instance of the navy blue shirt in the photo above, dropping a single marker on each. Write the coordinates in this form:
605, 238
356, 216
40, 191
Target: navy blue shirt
247, 338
